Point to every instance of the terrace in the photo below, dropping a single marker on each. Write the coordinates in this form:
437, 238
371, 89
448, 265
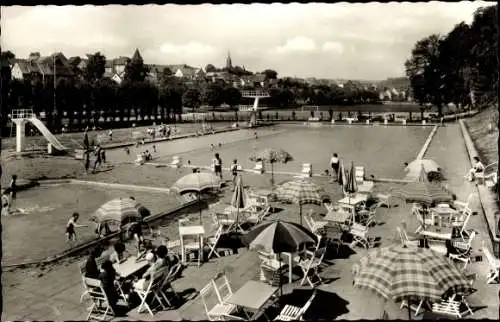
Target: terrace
53, 291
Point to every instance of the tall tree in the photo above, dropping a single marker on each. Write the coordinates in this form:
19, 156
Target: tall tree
231, 96
270, 74
210, 68
5, 78
192, 99
96, 66
136, 70
213, 95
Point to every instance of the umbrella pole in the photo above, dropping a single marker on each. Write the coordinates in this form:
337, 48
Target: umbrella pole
280, 283
199, 205
409, 308
272, 173
300, 213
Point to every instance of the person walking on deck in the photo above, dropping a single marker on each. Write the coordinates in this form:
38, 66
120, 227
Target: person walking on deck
334, 163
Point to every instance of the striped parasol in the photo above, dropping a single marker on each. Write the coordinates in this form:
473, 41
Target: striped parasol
119, 210
342, 174
397, 273
424, 192
272, 156
197, 182
301, 191
278, 237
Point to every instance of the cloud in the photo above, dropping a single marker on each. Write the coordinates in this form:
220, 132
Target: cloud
297, 44
333, 46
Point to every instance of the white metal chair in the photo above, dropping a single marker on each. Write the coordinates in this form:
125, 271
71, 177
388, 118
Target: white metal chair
314, 225
359, 173
466, 214
415, 308
385, 198
82, 269
211, 242
463, 250
259, 167
191, 244
222, 220
360, 235
405, 241
222, 287
312, 264
176, 162
166, 285
306, 171
463, 205
295, 313
100, 308
214, 308
256, 217
494, 265
153, 290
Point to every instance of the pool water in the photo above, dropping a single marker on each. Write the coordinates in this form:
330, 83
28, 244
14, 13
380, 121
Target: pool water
381, 150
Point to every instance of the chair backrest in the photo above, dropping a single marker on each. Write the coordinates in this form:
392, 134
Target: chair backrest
82, 267
401, 237
471, 238
468, 214
215, 219
156, 279
170, 274
209, 296
96, 291
223, 289
217, 235
306, 306
99, 261
359, 174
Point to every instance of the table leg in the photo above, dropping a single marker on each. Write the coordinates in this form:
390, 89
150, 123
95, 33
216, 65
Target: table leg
183, 251
290, 268
201, 251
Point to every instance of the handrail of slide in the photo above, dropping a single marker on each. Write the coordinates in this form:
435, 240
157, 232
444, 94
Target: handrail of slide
46, 133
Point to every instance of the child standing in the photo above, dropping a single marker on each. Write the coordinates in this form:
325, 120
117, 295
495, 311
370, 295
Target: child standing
217, 163
71, 225
234, 172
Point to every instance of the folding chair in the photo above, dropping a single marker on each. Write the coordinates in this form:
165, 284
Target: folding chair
415, 309
223, 289
463, 250
494, 265
82, 269
166, 285
312, 265
153, 292
360, 235
215, 309
211, 242
366, 216
294, 313
385, 198
257, 217
405, 241
423, 220
334, 234
316, 225
100, 308
462, 225
223, 220
191, 243
463, 205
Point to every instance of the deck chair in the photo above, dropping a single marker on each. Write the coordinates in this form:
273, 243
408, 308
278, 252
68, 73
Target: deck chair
494, 265
463, 205
359, 234
366, 216
166, 285
405, 241
466, 215
259, 167
211, 242
222, 220
426, 221
153, 291
81, 268
100, 308
314, 225
176, 162
463, 250
311, 265
222, 287
385, 198
256, 217
306, 171
214, 308
359, 174
295, 313
447, 307
334, 234
415, 308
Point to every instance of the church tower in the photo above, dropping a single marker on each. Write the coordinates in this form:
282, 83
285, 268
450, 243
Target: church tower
229, 63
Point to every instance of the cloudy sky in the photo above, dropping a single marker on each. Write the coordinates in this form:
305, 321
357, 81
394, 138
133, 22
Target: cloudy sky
354, 41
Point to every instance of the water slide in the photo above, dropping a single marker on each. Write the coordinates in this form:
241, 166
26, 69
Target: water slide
46, 133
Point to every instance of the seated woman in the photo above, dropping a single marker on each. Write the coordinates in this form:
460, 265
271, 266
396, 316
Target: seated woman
91, 268
158, 262
113, 253
478, 167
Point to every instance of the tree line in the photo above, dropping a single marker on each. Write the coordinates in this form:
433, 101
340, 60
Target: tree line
460, 67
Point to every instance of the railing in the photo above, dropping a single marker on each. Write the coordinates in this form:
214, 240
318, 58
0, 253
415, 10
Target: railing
22, 114
254, 94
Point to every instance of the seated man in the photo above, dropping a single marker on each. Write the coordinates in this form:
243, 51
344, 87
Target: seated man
478, 167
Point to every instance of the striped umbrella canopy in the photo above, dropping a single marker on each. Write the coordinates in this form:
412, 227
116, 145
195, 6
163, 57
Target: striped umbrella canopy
278, 237
238, 201
397, 273
272, 156
342, 174
301, 191
424, 192
120, 210
197, 182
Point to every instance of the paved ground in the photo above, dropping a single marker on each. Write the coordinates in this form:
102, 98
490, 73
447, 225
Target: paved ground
53, 293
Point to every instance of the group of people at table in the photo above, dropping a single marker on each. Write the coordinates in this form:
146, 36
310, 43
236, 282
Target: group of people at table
105, 263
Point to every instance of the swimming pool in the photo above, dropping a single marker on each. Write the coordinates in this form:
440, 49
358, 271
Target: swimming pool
381, 150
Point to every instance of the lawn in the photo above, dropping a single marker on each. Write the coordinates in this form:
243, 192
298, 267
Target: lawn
486, 141
40, 232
